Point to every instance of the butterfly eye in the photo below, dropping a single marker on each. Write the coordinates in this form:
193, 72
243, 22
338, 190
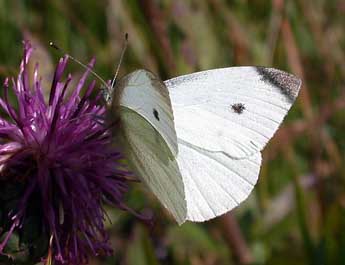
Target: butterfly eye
156, 114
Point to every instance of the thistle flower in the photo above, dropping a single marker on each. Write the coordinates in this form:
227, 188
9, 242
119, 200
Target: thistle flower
57, 167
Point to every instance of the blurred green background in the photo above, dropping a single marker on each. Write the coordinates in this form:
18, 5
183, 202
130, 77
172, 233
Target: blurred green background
296, 214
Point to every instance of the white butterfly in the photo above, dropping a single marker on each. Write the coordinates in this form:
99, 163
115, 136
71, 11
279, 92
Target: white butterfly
195, 140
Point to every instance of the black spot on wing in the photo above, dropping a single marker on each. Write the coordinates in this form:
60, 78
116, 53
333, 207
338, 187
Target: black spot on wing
288, 84
156, 114
238, 108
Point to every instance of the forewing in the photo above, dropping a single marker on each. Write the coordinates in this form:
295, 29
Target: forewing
152, 160
231, 110
148, 96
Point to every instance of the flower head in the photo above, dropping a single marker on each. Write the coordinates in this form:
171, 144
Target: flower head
57, 166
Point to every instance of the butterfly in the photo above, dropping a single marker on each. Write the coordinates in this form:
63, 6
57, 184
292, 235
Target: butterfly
196, 140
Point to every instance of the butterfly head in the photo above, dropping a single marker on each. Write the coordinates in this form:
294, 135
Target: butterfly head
107, 96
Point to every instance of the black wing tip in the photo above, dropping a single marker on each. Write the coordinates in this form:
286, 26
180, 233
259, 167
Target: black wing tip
288, 84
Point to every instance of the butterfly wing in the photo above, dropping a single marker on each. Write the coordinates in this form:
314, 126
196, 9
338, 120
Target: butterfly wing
223, 119
214, 183
149, 143
142, 92
232, 110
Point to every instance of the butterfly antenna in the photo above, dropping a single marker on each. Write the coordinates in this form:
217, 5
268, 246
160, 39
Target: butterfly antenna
86, 67
125, 44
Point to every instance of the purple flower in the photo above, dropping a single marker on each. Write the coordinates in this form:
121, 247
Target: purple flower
59, 158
